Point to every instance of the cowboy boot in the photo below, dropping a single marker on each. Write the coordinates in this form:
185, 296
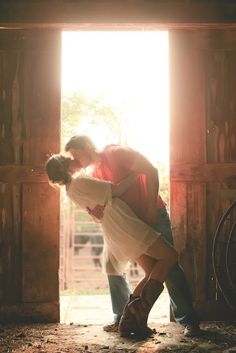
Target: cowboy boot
128, 324
141, 307
134, 319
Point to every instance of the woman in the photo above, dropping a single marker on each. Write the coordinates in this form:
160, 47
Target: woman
126, 237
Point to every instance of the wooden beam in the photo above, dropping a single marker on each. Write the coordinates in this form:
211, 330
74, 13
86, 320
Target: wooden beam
30, 312
14, 174
117, 14
215, 172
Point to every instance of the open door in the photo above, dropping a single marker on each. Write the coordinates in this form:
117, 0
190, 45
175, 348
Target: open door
30, 131
202, 153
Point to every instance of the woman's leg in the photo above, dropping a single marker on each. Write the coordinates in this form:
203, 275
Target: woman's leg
166, 257
146, 263
156, 263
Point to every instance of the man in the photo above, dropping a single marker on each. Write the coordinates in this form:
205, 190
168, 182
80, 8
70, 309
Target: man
115, 163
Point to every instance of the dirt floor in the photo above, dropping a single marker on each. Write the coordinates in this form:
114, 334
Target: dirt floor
81, 330
75, 338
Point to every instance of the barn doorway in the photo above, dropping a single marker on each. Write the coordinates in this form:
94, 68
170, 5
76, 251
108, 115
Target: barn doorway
114, 89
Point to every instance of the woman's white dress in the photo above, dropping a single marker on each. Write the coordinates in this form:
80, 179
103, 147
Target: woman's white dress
125, 235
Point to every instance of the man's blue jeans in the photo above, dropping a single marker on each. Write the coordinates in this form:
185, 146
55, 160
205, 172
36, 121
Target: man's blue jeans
176, 284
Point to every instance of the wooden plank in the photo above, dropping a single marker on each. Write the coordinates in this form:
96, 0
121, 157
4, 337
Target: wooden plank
40, 201
116, 12
194, 259
40, 243
27, 312
11, 118
15, 174
203, 172
114, 26
42, 100
187, 100
178, 214
220, 105
10, 243
190, 233
28, 100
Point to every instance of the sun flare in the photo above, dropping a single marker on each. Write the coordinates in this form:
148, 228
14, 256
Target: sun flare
129, 70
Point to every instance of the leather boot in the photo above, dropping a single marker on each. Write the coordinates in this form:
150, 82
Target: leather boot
128, 325
141, 307
134, 319
127, 321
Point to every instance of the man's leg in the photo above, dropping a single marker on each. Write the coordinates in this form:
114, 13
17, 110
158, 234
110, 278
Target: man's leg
120, 293
177, 285
180, 297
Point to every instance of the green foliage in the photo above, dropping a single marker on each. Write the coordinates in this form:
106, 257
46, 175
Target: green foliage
78, 109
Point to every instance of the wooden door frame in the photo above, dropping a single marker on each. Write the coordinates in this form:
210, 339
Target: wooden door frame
118, 15
29, 239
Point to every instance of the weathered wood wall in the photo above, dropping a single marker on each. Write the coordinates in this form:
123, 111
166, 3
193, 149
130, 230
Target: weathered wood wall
203, 152
29, 131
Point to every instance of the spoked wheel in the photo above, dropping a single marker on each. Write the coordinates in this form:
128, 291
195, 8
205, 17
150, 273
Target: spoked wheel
224, 256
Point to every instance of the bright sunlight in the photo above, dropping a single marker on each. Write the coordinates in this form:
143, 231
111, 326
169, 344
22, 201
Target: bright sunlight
129, 72
114, 89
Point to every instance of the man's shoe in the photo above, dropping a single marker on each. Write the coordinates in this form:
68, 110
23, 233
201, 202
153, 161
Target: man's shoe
113, 327
192, 330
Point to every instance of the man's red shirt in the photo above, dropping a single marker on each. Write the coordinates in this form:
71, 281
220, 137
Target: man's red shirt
115, 165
